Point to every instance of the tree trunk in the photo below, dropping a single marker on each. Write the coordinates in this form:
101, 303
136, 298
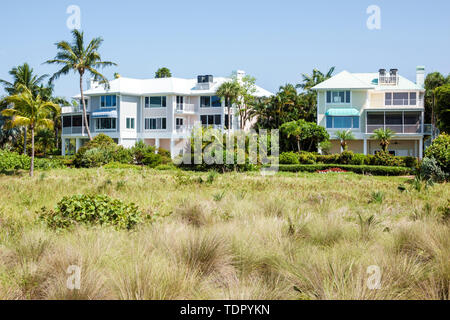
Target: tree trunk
56, 137
25, 140
298, 144
32, 152
229, 118
86, 123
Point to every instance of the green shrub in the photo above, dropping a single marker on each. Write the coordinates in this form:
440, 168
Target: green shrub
164, 167
346, 157
307, 158
140, 150
331, 158
386, 159
152, 160
358, 159
410, 162
373, 170
12, 161
430, 170
289, 158
92, 210
440, 150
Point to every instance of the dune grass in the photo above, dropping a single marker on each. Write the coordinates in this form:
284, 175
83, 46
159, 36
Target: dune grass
230, 236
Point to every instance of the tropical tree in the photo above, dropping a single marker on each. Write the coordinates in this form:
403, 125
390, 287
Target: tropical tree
29, 111
442, 95
309, 97
45, 139
295, 129
432, 81
163, 73
80, 59
23, 76
344, 136
384, 136
229, 91
308, 135
247, 99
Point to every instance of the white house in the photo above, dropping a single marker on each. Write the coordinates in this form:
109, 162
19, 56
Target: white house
364, 102
160, 112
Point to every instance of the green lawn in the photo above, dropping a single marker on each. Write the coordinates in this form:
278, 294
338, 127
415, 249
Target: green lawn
236, 235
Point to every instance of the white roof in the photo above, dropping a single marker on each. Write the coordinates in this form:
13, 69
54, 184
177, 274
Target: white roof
347, 80
167, 86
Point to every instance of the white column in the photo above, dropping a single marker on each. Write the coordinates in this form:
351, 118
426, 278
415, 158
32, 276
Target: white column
420, 148
365, 146
172, 147
77, 144
63, 146
156, 144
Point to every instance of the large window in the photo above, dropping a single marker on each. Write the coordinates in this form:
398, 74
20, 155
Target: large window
108, 101
208, 101
105, 123
155, 124
400, 98
338, 97
130, 123
342, 122
155, 102
211, 120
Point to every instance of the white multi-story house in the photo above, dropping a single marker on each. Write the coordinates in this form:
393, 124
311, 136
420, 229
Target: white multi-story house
160, 112
364, 102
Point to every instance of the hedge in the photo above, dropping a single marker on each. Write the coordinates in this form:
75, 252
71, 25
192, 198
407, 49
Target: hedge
373, 170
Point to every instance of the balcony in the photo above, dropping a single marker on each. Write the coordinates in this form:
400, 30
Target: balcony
74, 131
404, 102
185, 108
403, 122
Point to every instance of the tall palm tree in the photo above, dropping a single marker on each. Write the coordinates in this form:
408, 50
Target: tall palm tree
230, 91
309, 81
80, 59
433, 81
23, 76
384, 136
345, 136
30, 111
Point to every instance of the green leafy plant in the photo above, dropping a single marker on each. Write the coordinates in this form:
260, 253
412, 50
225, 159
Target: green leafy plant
376, 197
440, 151
92, 210
289, 158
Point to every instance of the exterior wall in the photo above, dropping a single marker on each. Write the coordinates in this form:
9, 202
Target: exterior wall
129, 106
357, 146
401, 147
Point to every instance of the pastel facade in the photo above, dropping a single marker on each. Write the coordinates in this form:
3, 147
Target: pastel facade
160, 112
364, 102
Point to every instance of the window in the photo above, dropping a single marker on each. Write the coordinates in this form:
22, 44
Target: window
342, 122
216, 101
67, 121
108, 101
211, 120
155, 124
130, 123
338, 96
105, 124
179, 122
180, 100
205, 102
155, 102
400, 98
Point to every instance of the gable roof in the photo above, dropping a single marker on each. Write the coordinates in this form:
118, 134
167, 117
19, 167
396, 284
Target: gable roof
347, 80
175, 86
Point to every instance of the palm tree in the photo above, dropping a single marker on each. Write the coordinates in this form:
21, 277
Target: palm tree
81, 59
23, 76
385, 136
344, 136
163, 73
29, 111
309, 81
293, 129
433, 81
230, 91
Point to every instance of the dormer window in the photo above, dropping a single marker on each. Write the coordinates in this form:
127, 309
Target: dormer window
338, 97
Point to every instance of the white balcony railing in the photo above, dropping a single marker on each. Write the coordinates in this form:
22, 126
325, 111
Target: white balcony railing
74, 130
185, 108
392, 80
397, 128
404, 102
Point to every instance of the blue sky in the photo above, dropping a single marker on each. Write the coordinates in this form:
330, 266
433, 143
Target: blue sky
275, 41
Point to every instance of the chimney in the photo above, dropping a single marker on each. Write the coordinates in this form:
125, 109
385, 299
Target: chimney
240, 74
92, 83
420, 76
